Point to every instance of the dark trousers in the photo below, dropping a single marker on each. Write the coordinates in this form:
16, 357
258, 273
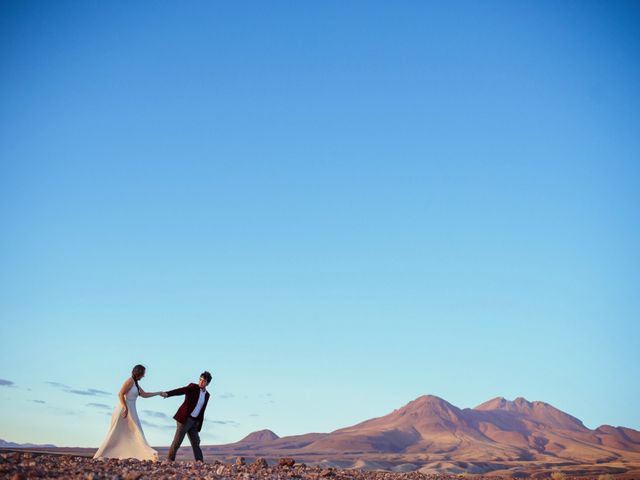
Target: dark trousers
190, 428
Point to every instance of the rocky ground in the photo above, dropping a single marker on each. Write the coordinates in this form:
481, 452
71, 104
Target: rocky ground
18, 466
28, 465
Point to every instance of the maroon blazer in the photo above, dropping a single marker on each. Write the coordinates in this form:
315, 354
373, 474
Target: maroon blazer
191, 395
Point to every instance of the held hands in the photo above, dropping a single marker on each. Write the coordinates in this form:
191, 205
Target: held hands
163, 394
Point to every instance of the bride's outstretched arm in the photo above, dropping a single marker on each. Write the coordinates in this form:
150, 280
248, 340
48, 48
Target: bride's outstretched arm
144, 394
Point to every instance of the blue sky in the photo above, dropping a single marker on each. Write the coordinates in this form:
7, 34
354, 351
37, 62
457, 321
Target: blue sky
335, 207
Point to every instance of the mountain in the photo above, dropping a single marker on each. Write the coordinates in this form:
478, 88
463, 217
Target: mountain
6, 444
429, 434
428, 418
259, 437
536, 411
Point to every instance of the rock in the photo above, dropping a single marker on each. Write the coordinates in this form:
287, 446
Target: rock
286, 462
132, 475
260, 463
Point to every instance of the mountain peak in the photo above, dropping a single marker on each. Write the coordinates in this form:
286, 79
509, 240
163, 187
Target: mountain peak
501, 403
428, 403
260, 436
539, 411
428, 399
493, 404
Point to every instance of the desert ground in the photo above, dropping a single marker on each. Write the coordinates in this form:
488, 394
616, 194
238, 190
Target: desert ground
22, 465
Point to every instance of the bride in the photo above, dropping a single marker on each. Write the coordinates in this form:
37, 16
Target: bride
126, 438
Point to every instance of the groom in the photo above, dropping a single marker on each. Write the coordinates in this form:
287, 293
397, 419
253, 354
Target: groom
190, 415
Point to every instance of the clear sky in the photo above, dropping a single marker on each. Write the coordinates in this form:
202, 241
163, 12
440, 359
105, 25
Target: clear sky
333, 206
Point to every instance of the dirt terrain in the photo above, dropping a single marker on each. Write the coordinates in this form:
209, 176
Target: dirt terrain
26, 465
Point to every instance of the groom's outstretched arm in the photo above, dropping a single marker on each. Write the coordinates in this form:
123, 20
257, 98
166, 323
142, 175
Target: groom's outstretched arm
178, 391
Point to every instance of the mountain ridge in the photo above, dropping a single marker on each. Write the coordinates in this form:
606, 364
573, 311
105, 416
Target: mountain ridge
8, 444
431, 435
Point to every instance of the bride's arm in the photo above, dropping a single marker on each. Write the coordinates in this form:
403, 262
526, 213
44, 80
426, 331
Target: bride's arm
125, 388
144, 394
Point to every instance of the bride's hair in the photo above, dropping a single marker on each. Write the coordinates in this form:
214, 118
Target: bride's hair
137, 371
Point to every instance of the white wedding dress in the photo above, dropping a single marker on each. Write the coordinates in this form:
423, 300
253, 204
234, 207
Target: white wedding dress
126, 438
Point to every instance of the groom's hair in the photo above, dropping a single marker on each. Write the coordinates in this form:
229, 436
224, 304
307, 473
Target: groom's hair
207, 376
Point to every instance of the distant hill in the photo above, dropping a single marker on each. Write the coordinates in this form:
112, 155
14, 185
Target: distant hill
259, 437
5, 444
